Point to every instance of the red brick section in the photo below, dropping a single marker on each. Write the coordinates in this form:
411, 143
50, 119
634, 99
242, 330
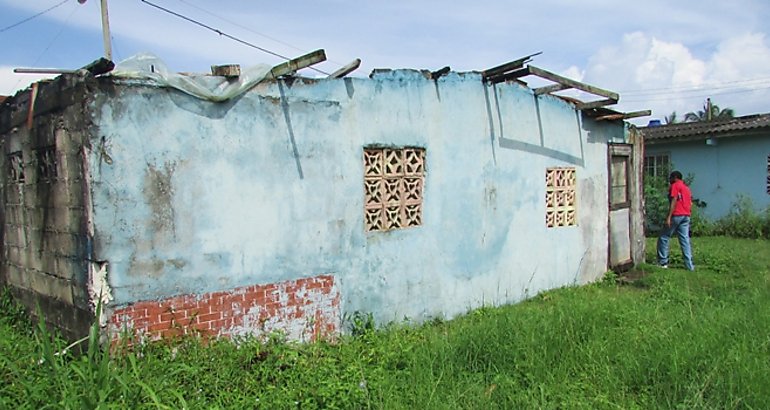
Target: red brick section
304, 310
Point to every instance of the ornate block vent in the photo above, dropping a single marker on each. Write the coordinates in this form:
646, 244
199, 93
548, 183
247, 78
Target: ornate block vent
393, 185
560, 197
46, 164
16, 167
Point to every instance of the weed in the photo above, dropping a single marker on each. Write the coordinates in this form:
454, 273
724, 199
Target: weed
682, 340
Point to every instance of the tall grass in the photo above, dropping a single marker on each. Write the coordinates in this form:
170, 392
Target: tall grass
671, 339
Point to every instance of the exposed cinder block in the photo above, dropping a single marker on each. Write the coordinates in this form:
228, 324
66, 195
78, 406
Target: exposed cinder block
52, 286
71, 167
71, 320
48, 262
17, 276
15, 255
67, 267
68, 219
35, 261
12, 195
13, 214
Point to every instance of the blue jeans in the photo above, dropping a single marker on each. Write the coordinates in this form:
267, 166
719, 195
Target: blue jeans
681, 226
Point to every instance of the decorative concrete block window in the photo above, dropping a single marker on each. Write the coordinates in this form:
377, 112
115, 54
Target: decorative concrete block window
393, 186
657, 165
560, 197
16, 167
46, 164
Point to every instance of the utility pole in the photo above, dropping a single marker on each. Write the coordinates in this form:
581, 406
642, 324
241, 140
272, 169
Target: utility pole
105, 29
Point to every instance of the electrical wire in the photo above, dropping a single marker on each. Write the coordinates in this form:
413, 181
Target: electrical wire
50, 43
249, 29
703, 93
32, 17
710, 86
223, 34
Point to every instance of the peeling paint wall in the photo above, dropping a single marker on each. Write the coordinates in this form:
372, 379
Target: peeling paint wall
302, 310
192, 197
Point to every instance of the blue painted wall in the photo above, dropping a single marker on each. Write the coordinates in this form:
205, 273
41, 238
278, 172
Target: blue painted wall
735, 166
191, 196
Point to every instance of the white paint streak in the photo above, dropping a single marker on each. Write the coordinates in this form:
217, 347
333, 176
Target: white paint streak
99, 289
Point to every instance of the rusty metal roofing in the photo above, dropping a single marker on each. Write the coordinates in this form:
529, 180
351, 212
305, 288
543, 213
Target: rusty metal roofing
686, 131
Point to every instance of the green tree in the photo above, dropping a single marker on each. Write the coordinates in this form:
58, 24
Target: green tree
671, 119
710, 112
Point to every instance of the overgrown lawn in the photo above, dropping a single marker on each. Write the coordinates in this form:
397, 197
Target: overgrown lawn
666, 339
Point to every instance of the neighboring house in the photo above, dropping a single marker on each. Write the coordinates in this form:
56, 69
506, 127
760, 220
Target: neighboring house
728, 159
296, 202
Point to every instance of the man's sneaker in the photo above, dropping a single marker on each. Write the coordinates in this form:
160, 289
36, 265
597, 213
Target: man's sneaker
664, 266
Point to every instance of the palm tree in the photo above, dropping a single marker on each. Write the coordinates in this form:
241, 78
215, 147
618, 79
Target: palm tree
671, 119
710, 112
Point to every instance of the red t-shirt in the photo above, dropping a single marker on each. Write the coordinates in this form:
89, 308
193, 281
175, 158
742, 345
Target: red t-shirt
681, 192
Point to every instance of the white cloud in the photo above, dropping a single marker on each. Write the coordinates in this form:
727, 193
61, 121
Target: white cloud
665, 76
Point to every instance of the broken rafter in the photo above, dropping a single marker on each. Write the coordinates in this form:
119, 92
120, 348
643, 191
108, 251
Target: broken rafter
511, 75
502, 69
347, 69
296, 64
596, 104
624, 116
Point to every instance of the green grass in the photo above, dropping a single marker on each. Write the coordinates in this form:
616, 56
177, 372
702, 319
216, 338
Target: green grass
671, 339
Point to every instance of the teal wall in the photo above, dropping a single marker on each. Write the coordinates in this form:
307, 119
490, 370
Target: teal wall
191, 196
734, 166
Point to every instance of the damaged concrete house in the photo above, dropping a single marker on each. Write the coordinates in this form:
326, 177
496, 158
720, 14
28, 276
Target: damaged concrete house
268, 201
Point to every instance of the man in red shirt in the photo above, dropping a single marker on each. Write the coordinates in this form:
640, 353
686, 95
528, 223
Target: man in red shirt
677, 221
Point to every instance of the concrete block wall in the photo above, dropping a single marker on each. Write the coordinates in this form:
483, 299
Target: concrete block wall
304, 309
45, 246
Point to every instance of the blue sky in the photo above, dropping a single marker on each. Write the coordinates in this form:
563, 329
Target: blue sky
659, 55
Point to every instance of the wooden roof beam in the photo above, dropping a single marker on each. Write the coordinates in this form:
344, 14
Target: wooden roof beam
347, 69
504, 68
596, 104
292, 66
513, 75
624, 115
574, 84
551, 88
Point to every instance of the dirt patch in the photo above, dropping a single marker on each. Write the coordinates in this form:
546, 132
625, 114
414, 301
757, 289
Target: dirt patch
632, 276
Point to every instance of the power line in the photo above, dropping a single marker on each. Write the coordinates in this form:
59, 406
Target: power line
249, 29
32, 17
241, 26
56, 37
712, 86
221, 33
704, 93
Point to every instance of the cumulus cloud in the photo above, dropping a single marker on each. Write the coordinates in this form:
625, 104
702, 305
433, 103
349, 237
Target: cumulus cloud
667, 76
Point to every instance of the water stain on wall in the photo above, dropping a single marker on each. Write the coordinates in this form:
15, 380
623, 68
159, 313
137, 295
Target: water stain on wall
159, 194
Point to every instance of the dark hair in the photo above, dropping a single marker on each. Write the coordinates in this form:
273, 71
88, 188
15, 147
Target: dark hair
675, 175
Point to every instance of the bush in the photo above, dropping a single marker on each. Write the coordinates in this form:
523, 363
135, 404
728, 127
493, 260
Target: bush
743, 220
655, 203
656, 207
